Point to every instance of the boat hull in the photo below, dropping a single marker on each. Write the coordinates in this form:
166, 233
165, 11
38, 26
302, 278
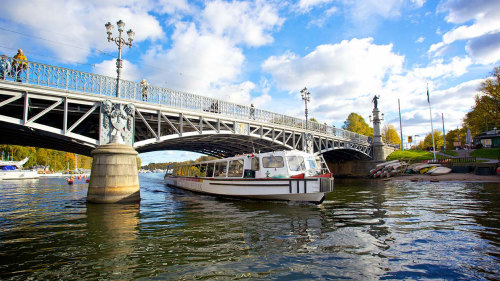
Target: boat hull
18, 175
303, 190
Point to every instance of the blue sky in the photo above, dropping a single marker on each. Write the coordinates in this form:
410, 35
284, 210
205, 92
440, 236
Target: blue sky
265, 52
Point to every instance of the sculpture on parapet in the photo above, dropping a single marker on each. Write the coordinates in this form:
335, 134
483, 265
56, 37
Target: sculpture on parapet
375, 101
117, 123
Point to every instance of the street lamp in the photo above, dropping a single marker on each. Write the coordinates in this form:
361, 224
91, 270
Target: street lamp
119, 42
306, 96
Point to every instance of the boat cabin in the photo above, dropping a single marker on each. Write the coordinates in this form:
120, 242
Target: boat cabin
277, 164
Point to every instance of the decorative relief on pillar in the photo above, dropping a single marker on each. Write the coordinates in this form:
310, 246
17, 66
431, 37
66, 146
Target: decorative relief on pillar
117, 123
308, 147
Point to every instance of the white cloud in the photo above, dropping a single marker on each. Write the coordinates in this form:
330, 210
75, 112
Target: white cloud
420, 39
342, 78
485, 49
347, 69
79, 25
242, 22
457, 67
485, 17
366, 15
453, 103
306, 5
195, 62
174, 7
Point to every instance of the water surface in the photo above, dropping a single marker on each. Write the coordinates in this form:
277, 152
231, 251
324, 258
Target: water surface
365, 230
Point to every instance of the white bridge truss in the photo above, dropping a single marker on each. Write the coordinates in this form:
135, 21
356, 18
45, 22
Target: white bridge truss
60, 108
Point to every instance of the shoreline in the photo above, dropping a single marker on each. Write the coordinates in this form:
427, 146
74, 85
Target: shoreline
462, 177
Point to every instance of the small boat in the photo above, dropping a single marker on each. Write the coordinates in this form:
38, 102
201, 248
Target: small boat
439, 171
279, 175
12, 170
382, 165
70, 180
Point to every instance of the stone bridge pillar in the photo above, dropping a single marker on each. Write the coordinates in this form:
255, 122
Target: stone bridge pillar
379, 153
114, 177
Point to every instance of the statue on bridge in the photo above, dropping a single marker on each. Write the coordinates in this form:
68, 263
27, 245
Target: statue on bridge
117, 123
375, 101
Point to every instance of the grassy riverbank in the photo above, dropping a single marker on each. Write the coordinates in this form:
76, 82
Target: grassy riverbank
420, 155
410, 155
490, 153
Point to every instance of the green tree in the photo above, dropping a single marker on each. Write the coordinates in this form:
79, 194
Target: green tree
485, 114
438, 140
390, 135
355, 123
456, 135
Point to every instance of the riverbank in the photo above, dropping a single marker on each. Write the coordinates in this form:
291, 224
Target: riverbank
462, 177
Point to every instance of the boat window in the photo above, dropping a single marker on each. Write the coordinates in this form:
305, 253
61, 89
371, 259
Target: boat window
183, 171
220, 169
255, 163
203, 170
210, 170
313, 164
296, 163
273, 162
194, 170
235, 168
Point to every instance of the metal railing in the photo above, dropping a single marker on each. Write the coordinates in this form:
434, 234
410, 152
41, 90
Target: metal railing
68, 79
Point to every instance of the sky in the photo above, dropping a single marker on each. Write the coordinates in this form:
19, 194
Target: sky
265, 52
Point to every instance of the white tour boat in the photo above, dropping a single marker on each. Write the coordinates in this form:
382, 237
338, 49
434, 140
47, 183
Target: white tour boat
280, 175
12, 170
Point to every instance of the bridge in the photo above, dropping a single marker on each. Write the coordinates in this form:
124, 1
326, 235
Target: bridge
65, 109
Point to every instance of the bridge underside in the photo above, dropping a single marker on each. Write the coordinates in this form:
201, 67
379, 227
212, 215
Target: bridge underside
219, 145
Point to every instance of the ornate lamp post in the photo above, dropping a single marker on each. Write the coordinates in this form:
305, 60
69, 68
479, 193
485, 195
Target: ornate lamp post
306, 96
119, 42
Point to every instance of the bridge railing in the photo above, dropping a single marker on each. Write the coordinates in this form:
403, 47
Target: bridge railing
68, 79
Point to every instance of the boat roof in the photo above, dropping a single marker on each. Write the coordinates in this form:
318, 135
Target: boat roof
264, 154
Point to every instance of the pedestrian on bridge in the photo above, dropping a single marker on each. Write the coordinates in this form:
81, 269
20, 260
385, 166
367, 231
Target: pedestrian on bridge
5, 67
144, 89
20, 64
252, 112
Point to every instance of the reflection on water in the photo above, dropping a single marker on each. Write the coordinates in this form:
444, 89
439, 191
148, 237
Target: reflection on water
363, 230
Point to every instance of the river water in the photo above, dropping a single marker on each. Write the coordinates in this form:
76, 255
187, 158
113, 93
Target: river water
365, 230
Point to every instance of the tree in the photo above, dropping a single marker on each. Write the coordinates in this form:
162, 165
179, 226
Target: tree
390, 135
456, 135
355, 123
42, 157
485, 114
438, 140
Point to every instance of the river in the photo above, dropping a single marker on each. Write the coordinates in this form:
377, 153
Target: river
365, 230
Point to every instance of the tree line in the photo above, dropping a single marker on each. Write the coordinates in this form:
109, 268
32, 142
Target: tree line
56, 160
164, 166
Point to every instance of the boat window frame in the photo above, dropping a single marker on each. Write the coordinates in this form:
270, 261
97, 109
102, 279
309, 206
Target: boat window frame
203, 170
210, 170
231, 173
266, 165
218, 172
301, 167
255, 164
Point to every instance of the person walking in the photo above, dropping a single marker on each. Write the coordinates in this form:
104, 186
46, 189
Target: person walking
5, 67
144, 89
252, 112
20, 64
